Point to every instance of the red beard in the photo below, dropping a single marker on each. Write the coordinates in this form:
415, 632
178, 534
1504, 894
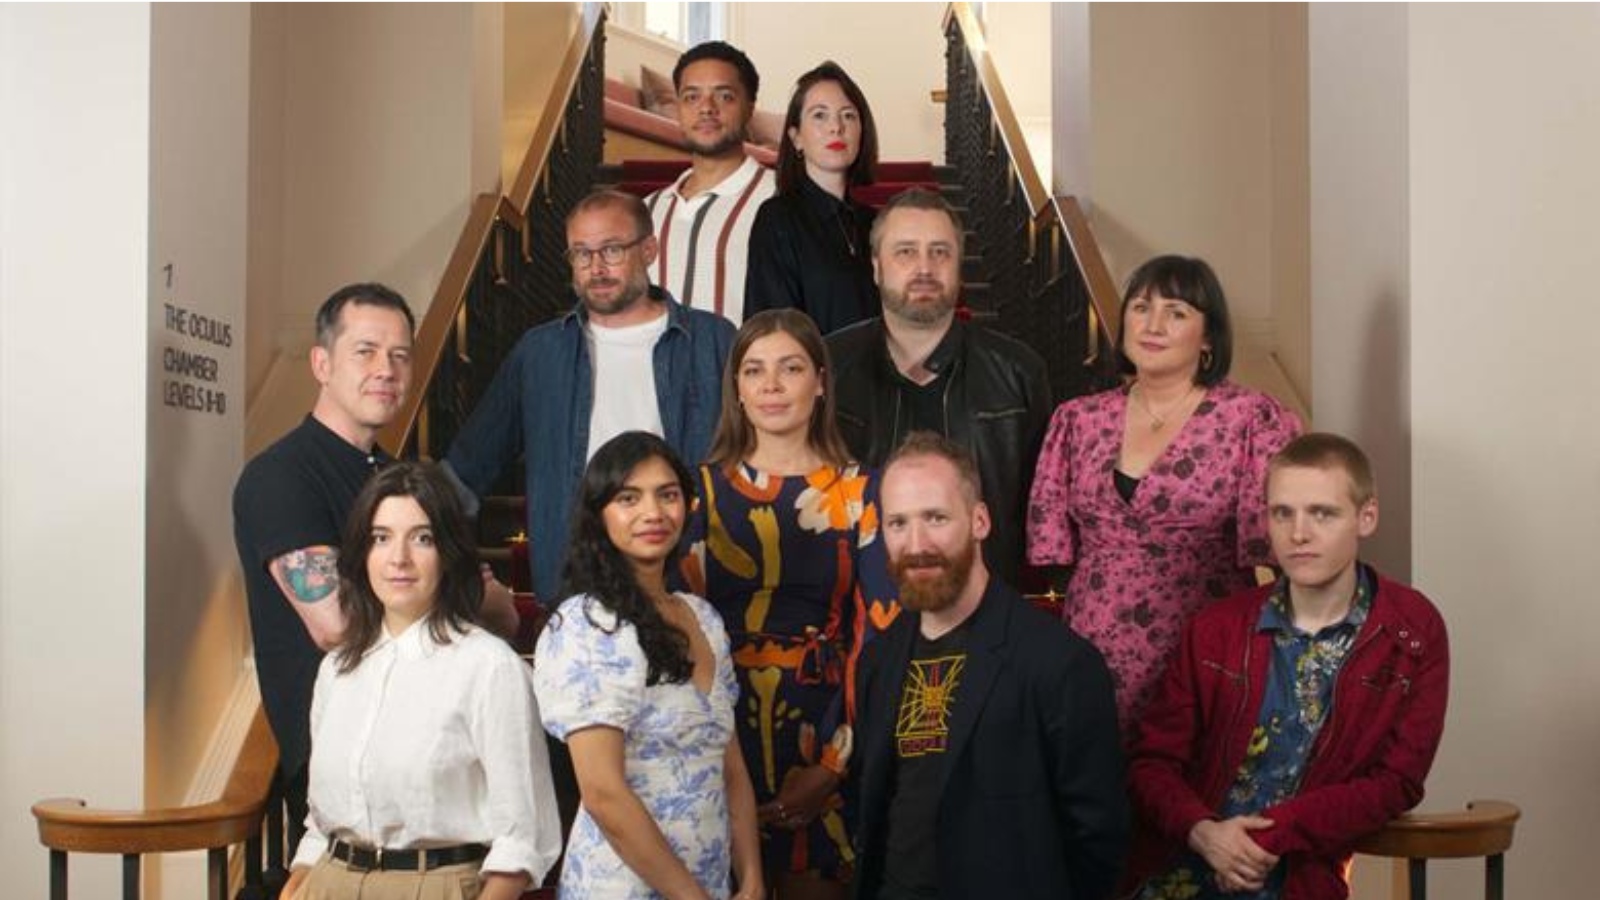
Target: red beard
924, 592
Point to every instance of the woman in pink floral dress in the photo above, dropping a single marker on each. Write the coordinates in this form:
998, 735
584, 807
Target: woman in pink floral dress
1154, 493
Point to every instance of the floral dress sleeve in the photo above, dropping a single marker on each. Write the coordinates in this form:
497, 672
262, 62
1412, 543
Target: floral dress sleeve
1268, 427
1050, 541
588, 670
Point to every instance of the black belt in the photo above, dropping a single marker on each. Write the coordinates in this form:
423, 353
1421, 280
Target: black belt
406, 860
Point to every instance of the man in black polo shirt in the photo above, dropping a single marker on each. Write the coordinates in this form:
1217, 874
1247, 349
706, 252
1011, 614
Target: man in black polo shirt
289, 510
987, 751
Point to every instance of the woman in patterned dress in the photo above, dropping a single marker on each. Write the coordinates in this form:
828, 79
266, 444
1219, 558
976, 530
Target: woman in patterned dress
637, 680
1154, 492
773, 547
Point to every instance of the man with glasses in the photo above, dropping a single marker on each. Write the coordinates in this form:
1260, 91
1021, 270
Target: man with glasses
627, 357
703, 219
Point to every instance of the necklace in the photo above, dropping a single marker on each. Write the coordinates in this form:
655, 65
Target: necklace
845, 222
1157, 421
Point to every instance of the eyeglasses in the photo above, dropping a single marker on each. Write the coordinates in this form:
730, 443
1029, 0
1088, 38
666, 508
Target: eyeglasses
610, 254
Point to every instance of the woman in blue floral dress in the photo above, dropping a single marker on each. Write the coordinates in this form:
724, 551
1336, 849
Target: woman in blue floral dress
638, 681
774, 547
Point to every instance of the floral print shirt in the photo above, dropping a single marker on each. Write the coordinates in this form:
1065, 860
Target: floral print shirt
1296, 703
589, 670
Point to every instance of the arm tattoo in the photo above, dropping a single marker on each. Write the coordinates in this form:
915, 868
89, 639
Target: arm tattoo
311, 574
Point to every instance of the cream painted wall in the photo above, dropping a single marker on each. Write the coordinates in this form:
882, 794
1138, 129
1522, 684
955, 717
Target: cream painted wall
385, 144
74, 269
1196, 143
535, 41
1360, 239
1018, 36
1071, 71
195, 628
627, 49
784, 40
1181, 123
264, 203
1289, 241
1506, 486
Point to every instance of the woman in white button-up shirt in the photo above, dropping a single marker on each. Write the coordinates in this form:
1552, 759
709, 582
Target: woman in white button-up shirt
429, 775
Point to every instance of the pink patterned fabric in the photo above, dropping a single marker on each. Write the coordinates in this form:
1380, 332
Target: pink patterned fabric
1194, 532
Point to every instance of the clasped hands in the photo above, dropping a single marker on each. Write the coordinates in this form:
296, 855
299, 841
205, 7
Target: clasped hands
1237, 860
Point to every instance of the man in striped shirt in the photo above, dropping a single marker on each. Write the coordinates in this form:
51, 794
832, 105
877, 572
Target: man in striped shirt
703, 220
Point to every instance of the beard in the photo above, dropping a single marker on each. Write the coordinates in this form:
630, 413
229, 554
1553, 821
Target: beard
729, 140
922, 593
924, 310
633, 286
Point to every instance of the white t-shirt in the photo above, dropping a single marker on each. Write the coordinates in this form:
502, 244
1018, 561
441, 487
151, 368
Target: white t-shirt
623, 361
705, 241
432, 745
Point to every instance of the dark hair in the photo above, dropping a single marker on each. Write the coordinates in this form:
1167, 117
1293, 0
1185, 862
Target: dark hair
1322, 450
1191, 280
460, 586
735, 439
366, 294
918, 198
628, 203
597, 569
791, 166
724, 52
932, 443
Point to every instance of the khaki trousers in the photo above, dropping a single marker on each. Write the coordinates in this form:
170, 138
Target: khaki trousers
331, 879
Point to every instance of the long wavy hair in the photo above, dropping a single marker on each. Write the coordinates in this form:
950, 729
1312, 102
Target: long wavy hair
735, 439
596, 568
460, 594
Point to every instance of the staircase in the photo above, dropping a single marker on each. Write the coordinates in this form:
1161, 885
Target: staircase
1032, 269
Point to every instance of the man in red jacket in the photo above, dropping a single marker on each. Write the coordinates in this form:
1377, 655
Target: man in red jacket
1298, 716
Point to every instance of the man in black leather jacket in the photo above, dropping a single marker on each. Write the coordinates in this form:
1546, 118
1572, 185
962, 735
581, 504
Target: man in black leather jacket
918, 368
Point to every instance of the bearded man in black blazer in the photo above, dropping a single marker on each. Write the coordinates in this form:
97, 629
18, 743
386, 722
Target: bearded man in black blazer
988, 758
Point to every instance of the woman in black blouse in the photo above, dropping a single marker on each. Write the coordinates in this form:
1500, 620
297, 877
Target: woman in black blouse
808, 246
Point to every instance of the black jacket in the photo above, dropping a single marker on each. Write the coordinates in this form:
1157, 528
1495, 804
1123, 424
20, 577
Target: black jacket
997, 403
1033, 802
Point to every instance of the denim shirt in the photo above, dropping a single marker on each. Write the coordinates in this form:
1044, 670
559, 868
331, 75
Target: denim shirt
539, 404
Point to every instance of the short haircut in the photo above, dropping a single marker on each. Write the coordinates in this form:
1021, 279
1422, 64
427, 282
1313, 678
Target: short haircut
1323, 450
1191, 280
791, 166
366, 294
724, 52
628, 203
932, 443
918, 198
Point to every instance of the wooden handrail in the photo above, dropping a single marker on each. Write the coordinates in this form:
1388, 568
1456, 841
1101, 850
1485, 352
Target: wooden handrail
68, 824
1103, 298
548, 130
1485, 828
429, 344
1066, 212
1033, 189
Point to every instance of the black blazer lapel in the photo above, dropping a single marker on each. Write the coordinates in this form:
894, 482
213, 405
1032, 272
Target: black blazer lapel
888, 676
985, 660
